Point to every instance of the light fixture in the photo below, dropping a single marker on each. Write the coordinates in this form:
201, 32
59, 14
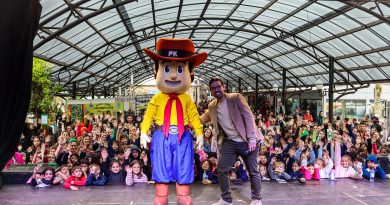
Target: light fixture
275, 87
197, 83
250, 89
320, 85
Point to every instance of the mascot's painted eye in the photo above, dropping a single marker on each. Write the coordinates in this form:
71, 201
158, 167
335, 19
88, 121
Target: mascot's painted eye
180, 69
167, 68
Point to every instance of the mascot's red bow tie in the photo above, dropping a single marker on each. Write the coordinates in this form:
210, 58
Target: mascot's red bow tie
167, 115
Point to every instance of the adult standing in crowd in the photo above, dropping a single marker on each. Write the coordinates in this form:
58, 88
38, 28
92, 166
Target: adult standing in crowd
375, 124
307, 116
235, 134
320, 118
281, 109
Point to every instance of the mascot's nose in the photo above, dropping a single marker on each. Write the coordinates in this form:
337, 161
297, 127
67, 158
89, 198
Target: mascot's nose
173, 74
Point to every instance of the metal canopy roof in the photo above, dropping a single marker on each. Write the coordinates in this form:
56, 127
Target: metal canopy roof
98, 43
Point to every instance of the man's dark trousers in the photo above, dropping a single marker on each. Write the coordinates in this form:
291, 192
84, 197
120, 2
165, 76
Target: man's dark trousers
229, 152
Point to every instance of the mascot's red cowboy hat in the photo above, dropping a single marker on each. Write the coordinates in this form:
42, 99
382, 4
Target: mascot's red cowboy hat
176, 49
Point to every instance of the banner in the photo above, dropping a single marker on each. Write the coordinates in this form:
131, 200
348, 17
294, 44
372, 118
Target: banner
100, 108
78, 111
75, 112
44, 119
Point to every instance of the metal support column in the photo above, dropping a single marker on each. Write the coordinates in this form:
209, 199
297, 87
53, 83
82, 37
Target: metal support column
93, 93
257, 93
227, 86
331, 85
239, 85
284, 87
74, 91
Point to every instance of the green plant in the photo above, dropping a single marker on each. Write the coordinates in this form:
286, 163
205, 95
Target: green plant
42, 89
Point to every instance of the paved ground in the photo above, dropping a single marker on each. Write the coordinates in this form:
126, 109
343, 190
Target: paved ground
346, 192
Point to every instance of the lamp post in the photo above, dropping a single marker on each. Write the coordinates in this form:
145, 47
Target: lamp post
250, 90
197, 85
275, 88
322, 92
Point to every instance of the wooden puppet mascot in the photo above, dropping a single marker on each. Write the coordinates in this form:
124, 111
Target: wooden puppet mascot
171, 149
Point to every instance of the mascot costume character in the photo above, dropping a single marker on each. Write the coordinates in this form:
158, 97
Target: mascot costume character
171, 148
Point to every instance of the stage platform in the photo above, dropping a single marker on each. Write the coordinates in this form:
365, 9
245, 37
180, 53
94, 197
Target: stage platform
346, 192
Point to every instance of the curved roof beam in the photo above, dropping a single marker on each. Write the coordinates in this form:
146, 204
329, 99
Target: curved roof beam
199, 28
227, 28
243, 66
201, 19
124, 16
246, 48
76, 22
222, 72
215, 70
258, 14
358, 6
184, 20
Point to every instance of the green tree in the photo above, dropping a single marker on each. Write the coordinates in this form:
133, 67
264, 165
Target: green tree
42, 89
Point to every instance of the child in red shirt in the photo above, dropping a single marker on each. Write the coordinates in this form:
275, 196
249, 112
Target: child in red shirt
77, 179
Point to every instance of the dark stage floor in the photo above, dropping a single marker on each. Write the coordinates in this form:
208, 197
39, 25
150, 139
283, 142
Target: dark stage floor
346, 192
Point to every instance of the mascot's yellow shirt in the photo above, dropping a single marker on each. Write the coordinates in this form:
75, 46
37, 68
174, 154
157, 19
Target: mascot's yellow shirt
156, 109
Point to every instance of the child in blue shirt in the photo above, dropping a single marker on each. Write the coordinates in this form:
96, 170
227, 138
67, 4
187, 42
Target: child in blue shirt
372, 164
95, 178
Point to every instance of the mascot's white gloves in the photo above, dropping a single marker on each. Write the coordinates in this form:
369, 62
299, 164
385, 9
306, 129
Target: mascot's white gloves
199, 142
144, 139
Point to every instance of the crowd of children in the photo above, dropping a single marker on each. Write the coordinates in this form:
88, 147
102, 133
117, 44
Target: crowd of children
104, 150
304, 150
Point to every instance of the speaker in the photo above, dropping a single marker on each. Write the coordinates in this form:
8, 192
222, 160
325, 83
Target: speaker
17, 174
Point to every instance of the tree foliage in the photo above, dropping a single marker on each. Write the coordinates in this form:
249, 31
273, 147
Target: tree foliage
42, 89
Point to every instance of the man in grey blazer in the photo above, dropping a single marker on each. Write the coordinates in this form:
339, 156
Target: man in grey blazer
234, 134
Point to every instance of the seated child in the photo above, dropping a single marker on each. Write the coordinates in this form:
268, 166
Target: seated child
51, 160
95, 178
116, 175
289, 159
113, 170
358, 164
323, 162
213, 162
77, 179
324, 167
343, 164
135, 174
240, 170
263, 173
62, 174
263, 160
45, 179
295, 174
208, 177
310, 172
73, 160
372, 164
16, 159
276, 170
233, 177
